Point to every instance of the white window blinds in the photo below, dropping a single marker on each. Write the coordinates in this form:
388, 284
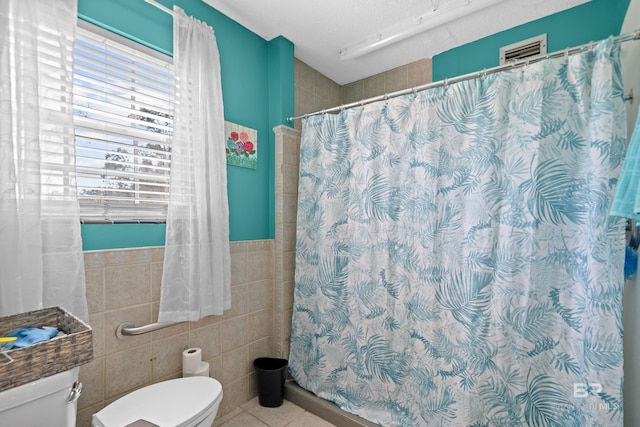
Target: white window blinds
123, 110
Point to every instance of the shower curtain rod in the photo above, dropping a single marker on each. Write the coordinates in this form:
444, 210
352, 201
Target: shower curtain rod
569, 51
159, 6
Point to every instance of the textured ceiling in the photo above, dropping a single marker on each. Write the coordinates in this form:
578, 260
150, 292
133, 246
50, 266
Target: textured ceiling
320, 29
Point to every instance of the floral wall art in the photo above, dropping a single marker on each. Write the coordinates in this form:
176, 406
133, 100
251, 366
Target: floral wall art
242, 145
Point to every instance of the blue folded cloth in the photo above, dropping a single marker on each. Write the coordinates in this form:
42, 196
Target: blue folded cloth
29, 336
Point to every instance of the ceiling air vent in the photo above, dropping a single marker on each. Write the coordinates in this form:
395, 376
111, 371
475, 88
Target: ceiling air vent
524, 49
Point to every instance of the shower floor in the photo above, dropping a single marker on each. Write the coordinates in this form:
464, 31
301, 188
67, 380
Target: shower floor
322, 408
251, 414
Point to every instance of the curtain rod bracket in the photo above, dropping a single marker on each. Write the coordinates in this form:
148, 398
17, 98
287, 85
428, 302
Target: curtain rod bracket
629, 97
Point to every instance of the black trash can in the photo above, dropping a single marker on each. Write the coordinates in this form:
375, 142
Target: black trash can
270, 375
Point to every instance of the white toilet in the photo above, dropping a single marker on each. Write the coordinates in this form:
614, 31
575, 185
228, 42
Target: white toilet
52, 400
183, 402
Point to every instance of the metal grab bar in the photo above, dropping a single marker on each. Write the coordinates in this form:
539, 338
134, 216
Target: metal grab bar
129, 329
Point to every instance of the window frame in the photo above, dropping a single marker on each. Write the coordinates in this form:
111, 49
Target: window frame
127, 166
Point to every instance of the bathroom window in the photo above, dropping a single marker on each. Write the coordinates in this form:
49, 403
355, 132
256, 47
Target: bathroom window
123, 111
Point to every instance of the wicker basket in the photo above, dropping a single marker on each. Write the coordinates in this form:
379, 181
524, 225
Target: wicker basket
59, 354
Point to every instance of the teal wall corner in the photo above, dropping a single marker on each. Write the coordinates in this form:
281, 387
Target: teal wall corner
257, 86
281, 81
591, 21
281, 104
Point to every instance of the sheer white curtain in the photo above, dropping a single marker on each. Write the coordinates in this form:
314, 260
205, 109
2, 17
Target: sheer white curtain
196, 275
41, 261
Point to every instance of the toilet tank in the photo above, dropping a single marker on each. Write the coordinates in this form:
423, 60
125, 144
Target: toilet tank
50, 401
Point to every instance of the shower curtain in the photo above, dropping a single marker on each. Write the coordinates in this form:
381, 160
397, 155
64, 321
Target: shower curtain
456, 264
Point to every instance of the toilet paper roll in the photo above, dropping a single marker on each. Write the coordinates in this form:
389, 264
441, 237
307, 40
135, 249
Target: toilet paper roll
192, 360
203, 371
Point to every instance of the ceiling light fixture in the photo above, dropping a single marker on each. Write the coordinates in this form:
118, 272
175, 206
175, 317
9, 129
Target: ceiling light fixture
417, 25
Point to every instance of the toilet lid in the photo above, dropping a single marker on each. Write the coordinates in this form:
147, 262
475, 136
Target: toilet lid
177, 402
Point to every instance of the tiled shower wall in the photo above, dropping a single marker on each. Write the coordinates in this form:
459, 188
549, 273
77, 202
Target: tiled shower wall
408, 76
124, 286
316, 92
286, 180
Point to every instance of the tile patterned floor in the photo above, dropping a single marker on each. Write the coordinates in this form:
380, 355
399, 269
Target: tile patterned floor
251, 414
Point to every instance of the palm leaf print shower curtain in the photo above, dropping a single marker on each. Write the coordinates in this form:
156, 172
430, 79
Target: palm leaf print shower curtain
456, 264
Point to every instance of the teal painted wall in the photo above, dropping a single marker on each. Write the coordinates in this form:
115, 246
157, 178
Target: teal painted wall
281, 99
257, 86
595, 20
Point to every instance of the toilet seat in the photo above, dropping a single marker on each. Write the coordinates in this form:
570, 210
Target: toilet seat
180, 402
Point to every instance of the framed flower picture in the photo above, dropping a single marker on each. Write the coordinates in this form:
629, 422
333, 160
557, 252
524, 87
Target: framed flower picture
241, 145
